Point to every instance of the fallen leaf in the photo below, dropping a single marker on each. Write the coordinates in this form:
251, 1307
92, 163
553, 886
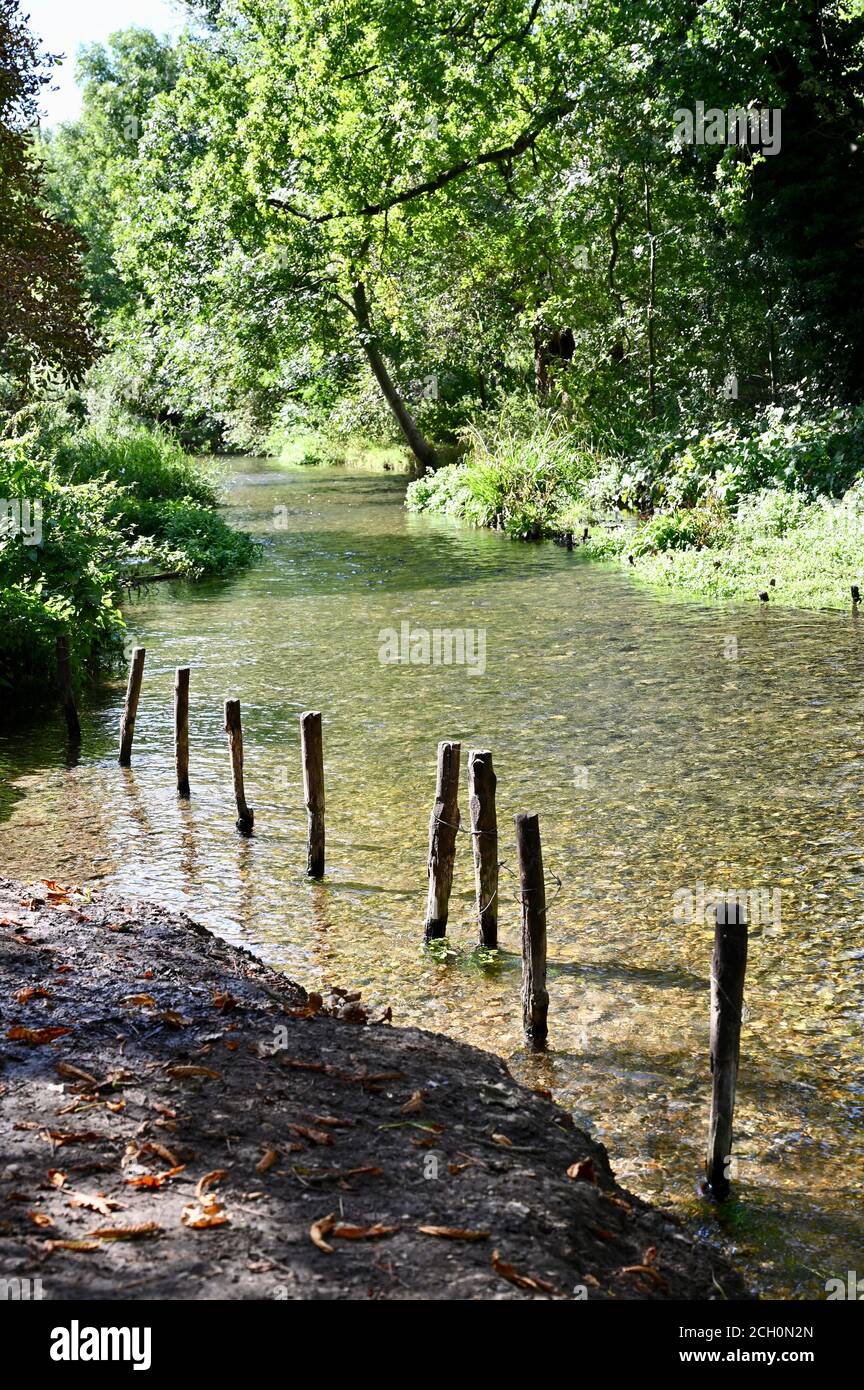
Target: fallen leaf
40, 1218
346, 1231
584, 1171
98, 1203
60, 1137
266, 1161
321, 1228
224, 1001
193, 1071
71, 1073
648, 1270
502, 1139
139, 1232
522, 1281
32, 992
317, 1136
143, 1001
81, 1245
55, 1177
207, 1181
149, 1180
314, 1004
36, 1035
413, 1104
199, 1220
153, 1146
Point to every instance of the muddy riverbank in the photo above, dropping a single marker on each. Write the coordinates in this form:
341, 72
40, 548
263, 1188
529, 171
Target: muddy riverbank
179, 1121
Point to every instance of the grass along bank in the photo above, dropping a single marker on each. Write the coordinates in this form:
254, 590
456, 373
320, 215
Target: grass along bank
101, 508
772, 506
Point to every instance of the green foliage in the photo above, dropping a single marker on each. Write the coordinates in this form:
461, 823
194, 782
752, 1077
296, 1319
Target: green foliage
802, 553
43, 317
820, 453
148, 463
113, 508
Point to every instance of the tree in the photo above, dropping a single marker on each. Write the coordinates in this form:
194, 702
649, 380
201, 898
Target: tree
336, 146
43, 313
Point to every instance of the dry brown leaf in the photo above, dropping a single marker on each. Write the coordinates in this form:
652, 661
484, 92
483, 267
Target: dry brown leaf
70, 1073
413, 1104
139, 1232
321, 1228
59, 1137
201, 1220
143, 1001
346, 1231
452, 1233
503, 1140
522, 1281
98, 1202
35, 1035
266, 1161
149, 1180
193, 1071
32, 992
316, 1136
56, 1178
584, 1171
224, 1001
40, 1218
207, 1181
153, 1146
80, 1245
648, 1270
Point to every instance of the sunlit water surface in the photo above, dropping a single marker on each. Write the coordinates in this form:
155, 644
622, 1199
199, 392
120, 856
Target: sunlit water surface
657, 759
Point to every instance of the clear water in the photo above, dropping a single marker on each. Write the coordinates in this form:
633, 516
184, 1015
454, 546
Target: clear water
657, 758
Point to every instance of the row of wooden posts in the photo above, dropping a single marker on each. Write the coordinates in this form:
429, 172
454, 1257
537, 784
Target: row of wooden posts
729, 961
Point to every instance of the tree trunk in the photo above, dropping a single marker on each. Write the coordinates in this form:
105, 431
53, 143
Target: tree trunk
652, 298
420, 447
541, 368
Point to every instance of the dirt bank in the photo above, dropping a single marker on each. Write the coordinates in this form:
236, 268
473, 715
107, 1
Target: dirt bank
178, 1121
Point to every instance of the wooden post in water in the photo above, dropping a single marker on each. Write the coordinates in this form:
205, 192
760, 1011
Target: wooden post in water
64, 678
484, 835
181, 729
728, 966
130, 708
313, 790
535, 1000
234, 730
443, 828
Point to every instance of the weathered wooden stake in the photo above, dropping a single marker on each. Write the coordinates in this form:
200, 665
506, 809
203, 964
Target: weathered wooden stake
728, 966
443, 828
234, 730
313, 790
181, 728
484, 835
535, 1000
64, 677
130, 708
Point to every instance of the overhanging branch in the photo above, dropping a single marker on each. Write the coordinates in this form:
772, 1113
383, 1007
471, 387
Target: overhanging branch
523, 142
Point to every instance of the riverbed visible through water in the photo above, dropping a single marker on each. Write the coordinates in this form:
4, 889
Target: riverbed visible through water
669, 748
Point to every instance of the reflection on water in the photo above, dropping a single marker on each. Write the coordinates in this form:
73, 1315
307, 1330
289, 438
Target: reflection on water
657, 757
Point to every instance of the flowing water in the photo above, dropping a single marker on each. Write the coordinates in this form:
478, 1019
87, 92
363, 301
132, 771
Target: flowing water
665, 745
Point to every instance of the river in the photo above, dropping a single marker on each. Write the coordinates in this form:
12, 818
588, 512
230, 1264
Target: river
665, 744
